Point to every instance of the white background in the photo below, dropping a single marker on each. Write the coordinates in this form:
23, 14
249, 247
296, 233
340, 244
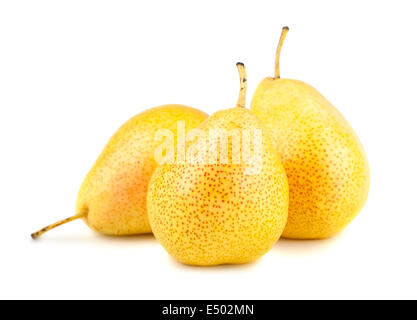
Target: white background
71, 72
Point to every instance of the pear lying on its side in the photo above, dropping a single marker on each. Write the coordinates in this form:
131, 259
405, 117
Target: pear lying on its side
112, 198
207, 212
326, 165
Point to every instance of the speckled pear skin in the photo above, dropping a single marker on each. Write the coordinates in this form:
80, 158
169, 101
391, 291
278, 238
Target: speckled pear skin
113, 194
214, 214
326, 165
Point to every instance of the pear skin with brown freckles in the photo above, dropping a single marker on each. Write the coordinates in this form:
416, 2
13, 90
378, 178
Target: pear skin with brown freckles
217, 213
112, 198
325, 162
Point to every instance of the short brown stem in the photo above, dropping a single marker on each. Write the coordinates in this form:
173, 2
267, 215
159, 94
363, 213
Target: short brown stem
241, 102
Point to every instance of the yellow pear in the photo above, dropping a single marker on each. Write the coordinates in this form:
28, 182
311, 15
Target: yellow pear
112, 198
326, 165
221, 206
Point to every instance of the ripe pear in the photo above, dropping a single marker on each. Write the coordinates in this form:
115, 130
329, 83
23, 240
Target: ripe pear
112, 198
216, 208
325, 162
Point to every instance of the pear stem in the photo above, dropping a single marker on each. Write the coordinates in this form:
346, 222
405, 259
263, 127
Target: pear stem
278, 53
241, 102
37, 234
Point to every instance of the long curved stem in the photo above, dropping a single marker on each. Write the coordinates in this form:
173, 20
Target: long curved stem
241, 102
37, 234
278, 53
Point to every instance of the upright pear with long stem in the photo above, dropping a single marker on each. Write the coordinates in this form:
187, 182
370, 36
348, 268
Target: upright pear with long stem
326, 165
231, 205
